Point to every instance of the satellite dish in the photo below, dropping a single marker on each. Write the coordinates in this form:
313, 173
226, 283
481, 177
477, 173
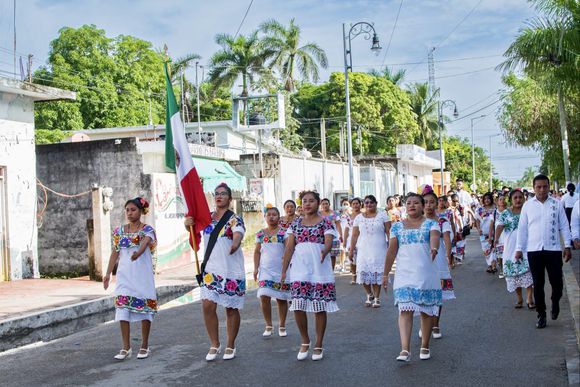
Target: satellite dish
79, 137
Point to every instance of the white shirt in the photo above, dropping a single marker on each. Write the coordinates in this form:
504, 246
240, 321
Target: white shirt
541, 225
575, 221
569, 201
464, 198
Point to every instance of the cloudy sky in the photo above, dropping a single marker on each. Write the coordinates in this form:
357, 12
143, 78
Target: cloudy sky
469, 35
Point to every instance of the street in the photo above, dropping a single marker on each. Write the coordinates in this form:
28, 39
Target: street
485, 342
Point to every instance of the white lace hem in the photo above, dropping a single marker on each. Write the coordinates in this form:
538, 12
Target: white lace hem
447, 295
520, 281
273, 294
234, 302
368, 278
313, 306
411, 307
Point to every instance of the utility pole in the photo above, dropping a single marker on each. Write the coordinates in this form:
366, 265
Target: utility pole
197, 97
564, 134
29, 69
14, 38
431, 67
323, 137
182, 100
341, 139
490, 167
360, 141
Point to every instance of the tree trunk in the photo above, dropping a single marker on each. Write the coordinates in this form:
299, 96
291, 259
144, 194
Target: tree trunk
564, 134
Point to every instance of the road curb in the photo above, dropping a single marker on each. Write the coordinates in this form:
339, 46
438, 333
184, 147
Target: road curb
35, 327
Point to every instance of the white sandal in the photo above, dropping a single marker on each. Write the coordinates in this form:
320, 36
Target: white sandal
142, 355
426, 355
369, 300
376, 303
268, 331
406, 357
303, 355
437, 335
212, 356
231, 355
319, 356
124, 354
282, 332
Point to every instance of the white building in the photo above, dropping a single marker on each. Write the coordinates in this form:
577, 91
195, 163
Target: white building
18, 198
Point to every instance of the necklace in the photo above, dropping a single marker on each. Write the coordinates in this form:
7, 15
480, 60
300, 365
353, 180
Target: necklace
138, 227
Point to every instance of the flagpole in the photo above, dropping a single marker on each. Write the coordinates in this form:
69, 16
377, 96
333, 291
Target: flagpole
197, 269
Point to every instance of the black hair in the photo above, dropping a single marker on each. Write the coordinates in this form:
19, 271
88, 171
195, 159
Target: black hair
357, 199
372, 198
539, 178
289, 201
515, 191
272, 209
140, 203
325, 200
459, 180
489, 195
226, 187
443, 197
414, 195
454, 196
571, 188
313, 193
344, 200
430, 194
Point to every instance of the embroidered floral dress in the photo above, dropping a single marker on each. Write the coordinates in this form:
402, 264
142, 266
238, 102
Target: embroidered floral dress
371, 248
442, 263
333, 218
224, 279
459, 224
499, 243
269, 272
349, 226
394, 215
517, 272
312, 282
285, 223
417, 286
485, 217
135, 295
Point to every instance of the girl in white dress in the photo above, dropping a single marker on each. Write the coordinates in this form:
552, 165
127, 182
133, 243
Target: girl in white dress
417, 288
310, 273
224, 277
268, 270
444, 258
135, 296
334, 218
498, 240
516, 271
369, 236
483, 217
355, 207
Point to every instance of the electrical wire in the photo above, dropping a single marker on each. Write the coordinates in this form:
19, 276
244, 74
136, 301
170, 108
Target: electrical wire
243, 19
392, 33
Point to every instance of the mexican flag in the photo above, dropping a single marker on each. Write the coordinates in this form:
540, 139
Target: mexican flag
178, 159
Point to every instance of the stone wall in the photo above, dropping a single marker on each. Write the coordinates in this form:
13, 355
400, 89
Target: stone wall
73, 168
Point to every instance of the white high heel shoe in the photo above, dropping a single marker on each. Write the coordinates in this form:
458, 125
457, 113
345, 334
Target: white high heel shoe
425, 354
437, 335
319, 356
404, 356
143, 353
268, 331
124, 354
282, 332
303, 355
231, 355
212, 356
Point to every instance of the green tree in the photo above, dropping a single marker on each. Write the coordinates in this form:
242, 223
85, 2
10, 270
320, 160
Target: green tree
289, 55
527, 177
116, 81
378, 106
396, 77
424, 106
244, 56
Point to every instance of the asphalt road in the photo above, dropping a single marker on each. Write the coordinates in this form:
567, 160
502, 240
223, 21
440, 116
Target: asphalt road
485, 342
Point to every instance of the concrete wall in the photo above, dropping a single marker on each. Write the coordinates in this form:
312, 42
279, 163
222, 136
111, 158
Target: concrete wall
73, 168
17, 156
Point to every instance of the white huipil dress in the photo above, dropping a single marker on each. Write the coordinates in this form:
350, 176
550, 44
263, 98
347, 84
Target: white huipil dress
442, 264
224, 278
135, 295
270, 269
417, 286
349, 224
517, 272
485, 216
371, 248
312, 286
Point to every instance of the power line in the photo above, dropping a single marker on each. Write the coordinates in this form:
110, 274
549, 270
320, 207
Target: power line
243, 19
392, 33
459, 24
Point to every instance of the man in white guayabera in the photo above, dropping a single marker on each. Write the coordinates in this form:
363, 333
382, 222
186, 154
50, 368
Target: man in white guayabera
542, 221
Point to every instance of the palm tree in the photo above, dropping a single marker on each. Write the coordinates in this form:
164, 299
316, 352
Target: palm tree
243, 56
547, 51
424, 105
289, 54
396, 77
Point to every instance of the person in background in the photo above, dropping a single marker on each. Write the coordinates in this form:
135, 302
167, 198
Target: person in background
344, 216
393, 212
414, 243
516, 271
498, 242
334, 218
355, 206
575, 225
311, 275
542, 222
484, 216
569, 199
462, 229
135, 295
268, 270
291, 215
224, 276
369, 237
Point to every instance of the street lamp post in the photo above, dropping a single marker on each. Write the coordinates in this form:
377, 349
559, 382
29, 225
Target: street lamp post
440, 107
473, 185
368, 32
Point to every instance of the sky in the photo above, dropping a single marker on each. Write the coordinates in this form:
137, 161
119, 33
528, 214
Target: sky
477, 32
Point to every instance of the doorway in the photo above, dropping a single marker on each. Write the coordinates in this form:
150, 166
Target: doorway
4, 255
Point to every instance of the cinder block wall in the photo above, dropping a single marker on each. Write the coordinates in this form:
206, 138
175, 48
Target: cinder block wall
73, 168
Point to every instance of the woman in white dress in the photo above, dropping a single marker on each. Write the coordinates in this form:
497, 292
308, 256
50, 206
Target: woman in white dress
310, 273
369, 236
291, 215
355, 207
444, 258
268, 270
498, 240
483, 217
334, 218
516, 271
135, 296
224, 277
414, 244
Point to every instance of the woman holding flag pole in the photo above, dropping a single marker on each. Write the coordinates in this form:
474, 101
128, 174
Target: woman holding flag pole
222, 275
